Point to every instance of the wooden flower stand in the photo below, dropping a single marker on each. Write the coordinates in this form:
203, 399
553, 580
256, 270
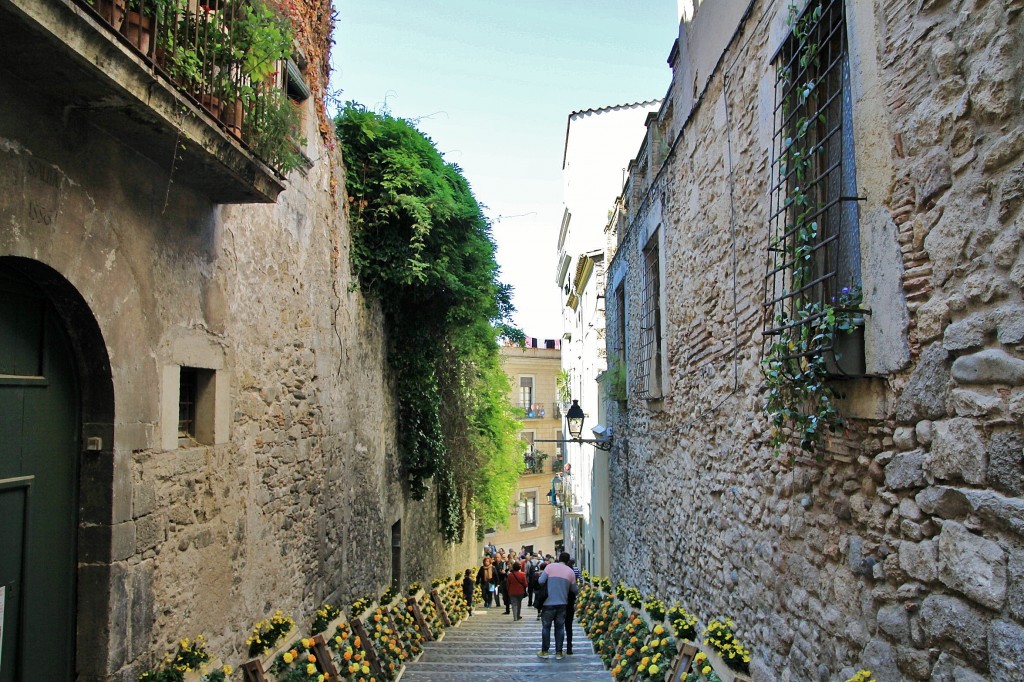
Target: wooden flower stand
441, 610
413, 605
687, 650
371, 654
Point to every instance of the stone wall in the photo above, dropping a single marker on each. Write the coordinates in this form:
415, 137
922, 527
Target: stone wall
293, 503
903, 549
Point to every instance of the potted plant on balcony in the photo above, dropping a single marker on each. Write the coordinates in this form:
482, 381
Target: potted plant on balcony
111, 10
193, 49
253, 105
140, 23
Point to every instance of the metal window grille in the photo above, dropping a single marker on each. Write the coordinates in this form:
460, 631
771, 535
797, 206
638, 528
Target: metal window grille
649, 361
810, 209
187, 397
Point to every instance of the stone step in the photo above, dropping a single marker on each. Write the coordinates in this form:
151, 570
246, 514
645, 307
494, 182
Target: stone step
529, 660
491, 646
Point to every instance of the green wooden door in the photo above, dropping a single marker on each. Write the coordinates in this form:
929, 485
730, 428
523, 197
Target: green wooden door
38, 486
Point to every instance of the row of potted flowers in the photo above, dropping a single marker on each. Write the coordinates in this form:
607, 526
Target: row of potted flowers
642, 639
371, 644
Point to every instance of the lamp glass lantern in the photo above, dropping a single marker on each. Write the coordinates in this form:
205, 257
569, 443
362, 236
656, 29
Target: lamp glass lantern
574, 420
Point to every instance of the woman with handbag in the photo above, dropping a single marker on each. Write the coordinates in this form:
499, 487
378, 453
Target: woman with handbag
516, 585
485, 578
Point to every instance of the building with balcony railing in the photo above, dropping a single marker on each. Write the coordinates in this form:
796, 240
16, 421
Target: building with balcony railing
180, 448
535, 521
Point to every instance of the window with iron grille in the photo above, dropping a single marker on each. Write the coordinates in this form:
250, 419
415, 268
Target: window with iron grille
649, 361
814, 253
196, 392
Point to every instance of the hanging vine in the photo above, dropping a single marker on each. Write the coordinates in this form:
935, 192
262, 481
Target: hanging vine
422, 248
800, 402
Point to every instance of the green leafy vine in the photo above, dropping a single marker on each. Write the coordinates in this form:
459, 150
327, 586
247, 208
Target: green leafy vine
800, 402
422, 248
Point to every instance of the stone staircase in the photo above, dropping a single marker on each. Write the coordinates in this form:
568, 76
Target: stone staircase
490, 646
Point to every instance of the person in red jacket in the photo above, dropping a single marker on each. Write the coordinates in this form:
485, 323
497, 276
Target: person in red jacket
516, 584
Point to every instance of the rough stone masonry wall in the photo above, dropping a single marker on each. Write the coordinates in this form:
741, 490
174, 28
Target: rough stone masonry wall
903, 551
295, 507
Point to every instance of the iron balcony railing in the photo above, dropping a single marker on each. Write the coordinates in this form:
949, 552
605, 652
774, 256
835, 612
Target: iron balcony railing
230, 57
539, 410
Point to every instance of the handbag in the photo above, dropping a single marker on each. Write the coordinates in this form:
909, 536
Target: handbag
491, 587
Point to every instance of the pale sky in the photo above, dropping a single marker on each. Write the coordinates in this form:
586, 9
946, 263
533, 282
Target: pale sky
492, 84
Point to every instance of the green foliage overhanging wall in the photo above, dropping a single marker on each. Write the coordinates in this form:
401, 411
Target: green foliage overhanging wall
423, 249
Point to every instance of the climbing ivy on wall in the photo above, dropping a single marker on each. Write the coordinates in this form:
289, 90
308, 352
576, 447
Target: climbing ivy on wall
422, 248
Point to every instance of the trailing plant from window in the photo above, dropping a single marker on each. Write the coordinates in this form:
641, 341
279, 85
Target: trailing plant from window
563, 388
614, 379
422, 249
273, 129
800, 402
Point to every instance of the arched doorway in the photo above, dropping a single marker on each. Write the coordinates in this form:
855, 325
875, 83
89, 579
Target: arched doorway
46, 332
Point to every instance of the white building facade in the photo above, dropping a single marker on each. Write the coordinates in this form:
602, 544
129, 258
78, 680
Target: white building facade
599, 146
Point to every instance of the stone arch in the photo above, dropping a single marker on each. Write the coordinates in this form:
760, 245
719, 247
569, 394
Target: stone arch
96, 469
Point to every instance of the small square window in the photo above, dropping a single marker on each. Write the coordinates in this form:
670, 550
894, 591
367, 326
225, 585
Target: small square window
195, 406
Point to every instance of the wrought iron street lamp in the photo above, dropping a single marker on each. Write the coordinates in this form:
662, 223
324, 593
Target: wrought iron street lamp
574, 422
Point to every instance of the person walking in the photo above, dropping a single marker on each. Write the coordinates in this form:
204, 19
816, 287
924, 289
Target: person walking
531, 578
485, 579
500, 573
468, 587
535, 587
570, 607
560, 581
515, 585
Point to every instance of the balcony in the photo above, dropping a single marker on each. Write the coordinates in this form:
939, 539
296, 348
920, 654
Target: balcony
539, 410
191, 87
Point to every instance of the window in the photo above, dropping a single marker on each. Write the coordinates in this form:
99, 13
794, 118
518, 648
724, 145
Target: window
525, 392
620, 321
649, 364
195, 406
559, 460
528, 509
396, 554
814, 240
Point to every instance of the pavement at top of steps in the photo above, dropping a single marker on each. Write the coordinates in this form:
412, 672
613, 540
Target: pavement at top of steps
490, 646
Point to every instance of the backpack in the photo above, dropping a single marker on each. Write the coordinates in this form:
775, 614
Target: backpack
531, 570
540, 596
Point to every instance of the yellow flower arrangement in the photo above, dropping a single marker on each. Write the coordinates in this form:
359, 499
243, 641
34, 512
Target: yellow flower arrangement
719, 635
267, 633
